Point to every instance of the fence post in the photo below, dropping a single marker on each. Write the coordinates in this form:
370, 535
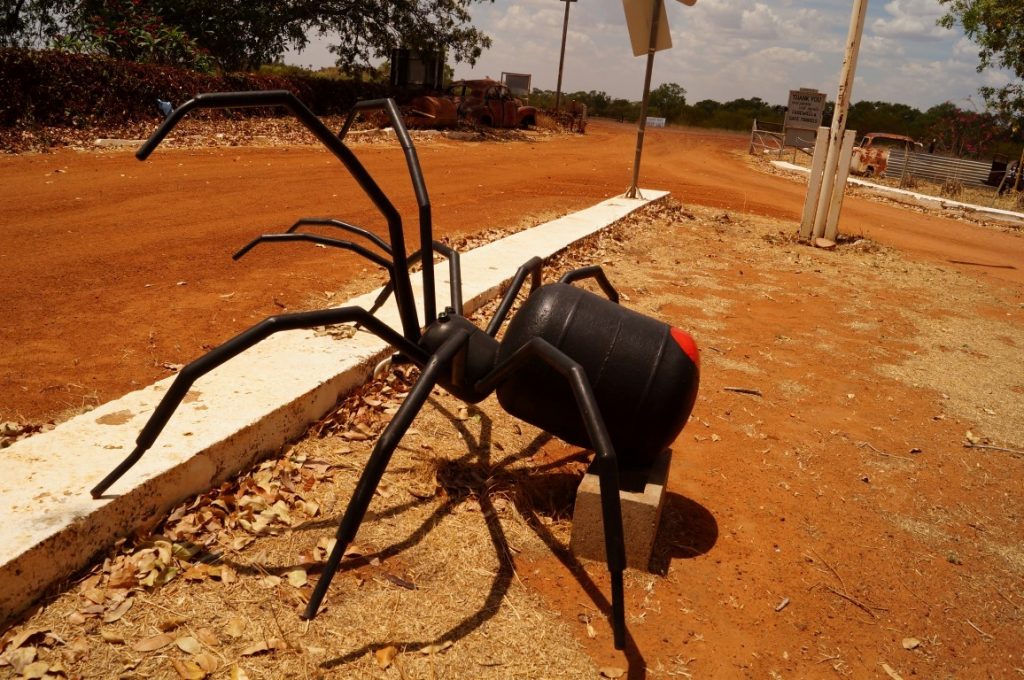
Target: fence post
839, 190
814, 182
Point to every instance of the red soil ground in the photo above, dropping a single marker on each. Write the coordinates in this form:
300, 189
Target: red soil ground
114, 270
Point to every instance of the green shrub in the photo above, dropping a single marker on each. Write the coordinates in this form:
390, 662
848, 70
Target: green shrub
64, 89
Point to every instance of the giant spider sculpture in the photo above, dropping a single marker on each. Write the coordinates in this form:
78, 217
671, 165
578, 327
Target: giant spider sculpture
571, 362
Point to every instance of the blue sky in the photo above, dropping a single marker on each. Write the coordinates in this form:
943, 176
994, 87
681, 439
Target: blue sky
726, 49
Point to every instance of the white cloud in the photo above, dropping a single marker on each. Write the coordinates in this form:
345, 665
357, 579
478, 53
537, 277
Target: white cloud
880, 49
728, 49
911, 20
965, 48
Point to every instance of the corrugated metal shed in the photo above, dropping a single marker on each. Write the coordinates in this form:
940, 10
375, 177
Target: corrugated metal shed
938, 168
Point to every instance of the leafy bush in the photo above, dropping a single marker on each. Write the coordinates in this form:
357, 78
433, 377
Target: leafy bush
62, 89
124, 29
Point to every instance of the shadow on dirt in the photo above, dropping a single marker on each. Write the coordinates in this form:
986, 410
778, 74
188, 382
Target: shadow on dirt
687, 530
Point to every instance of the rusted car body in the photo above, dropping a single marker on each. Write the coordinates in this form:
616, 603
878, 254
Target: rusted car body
488, 102
871, 158
432, 112
577, 116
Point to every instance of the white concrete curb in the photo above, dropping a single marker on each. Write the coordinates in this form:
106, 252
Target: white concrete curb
923, 199
244, 409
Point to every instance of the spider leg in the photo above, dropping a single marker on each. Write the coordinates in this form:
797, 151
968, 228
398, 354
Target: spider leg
532, 267
232, 348
592, 272
378, 462
607, 466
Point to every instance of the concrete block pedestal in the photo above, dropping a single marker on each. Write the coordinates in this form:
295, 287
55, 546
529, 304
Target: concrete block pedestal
642, 496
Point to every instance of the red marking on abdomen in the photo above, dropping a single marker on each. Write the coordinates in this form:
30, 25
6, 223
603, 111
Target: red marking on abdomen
686, 343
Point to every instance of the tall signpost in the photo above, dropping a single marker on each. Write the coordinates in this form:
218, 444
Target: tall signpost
561, 58
649, 33
828, 203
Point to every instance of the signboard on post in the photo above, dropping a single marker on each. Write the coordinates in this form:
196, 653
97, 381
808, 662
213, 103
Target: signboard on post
654, 31
638, 19
417, 69
803, 116
517, 83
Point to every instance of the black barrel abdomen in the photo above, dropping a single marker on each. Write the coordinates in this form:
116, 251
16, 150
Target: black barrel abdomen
643, 372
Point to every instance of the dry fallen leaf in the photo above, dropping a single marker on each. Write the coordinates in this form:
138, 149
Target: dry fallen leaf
297, 578
112, 637
612, 672
21, 658
208, 662
272, 644
151, 644
270, 581
911, 643
385, 655
435, 648
23, 637
238, 674
35, 670
118, 611
207, 637
189, 645
235, 627
167, 625
75, 650
95, 595
198, 572
188, 670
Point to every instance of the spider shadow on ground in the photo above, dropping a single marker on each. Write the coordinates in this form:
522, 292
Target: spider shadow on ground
471, 475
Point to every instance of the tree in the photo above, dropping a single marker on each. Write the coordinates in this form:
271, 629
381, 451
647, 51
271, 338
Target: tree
244, 35
124, 29
997, 26
24, 23
669, 99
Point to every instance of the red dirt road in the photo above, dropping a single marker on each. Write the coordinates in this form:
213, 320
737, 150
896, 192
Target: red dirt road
114, 269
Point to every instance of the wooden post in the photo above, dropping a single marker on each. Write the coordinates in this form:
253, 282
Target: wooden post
849, 70
561, 58
836, 205
814, 182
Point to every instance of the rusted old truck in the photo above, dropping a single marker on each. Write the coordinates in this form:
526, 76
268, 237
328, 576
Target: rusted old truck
871, 158
488, 102
479, 102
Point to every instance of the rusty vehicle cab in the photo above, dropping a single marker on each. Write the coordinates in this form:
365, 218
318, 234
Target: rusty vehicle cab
488, 102
871, 158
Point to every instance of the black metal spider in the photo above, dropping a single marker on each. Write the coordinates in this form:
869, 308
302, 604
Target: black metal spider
571, 362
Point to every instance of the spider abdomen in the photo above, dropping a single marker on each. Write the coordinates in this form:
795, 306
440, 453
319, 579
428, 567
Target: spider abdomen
643, 372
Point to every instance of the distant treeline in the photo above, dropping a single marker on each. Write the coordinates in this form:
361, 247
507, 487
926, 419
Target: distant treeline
944, 128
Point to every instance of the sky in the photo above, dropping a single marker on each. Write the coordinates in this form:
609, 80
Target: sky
730, 49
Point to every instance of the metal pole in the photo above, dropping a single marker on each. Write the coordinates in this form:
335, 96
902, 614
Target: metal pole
561, 58
860, 8
642, 123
